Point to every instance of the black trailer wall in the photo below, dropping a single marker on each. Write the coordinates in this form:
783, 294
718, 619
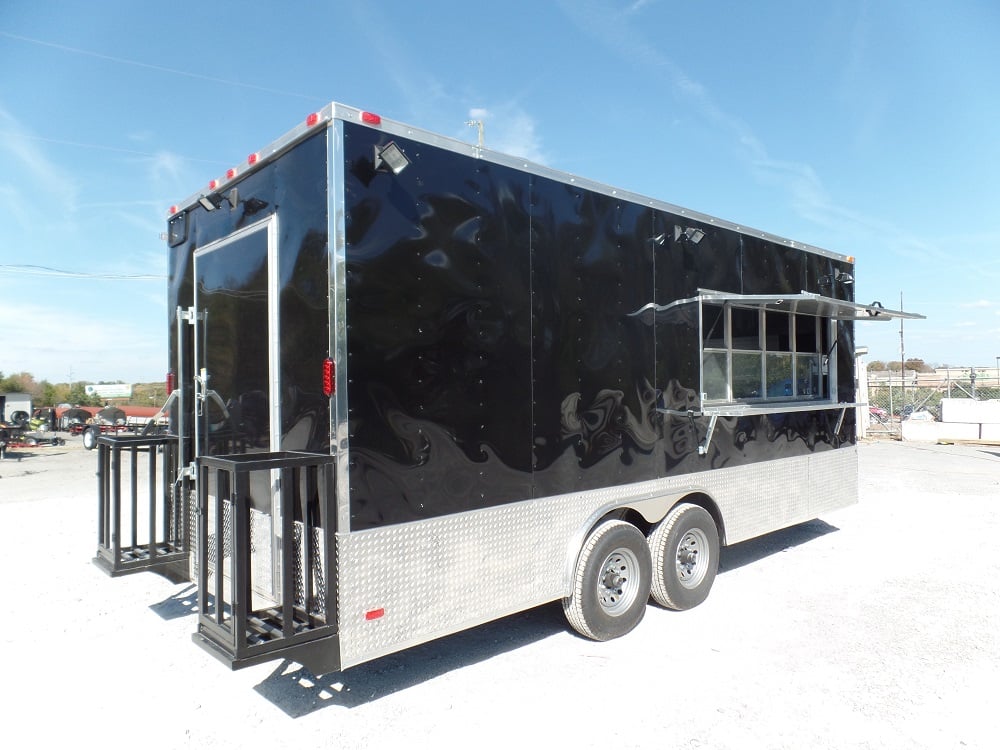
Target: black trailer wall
493, 353
438, 276
293, 188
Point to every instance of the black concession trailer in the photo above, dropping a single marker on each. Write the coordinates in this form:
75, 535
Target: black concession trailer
418, 385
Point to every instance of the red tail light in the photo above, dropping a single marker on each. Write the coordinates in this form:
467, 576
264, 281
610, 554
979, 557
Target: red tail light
329, 377
170, 383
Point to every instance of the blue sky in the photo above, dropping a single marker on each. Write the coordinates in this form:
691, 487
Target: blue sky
867, 128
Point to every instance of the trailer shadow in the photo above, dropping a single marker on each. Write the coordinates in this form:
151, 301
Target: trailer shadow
19, 454
182, 604
752, 550
298, 692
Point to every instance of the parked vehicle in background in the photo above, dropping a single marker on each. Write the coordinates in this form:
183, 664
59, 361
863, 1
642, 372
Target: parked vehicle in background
73, 419
878, 414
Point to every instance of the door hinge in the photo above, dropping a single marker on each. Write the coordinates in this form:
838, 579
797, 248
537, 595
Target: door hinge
191, 315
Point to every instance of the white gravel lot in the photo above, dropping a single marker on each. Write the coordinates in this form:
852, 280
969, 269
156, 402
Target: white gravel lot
876, 627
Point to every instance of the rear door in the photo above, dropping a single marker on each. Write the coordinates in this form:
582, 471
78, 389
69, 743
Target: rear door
236, 380
237, 408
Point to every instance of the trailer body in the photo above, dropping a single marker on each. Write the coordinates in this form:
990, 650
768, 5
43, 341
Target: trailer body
419, 382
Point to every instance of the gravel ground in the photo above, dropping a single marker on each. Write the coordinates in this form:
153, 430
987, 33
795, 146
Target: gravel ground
875, 627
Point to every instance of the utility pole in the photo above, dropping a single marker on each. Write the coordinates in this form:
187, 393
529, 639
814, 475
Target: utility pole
902, 359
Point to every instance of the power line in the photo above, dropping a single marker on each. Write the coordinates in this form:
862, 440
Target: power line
159, 68
117, 149
30, 270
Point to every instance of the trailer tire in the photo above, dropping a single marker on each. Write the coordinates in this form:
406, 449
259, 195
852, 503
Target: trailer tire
611, 583
90, 438
685, 552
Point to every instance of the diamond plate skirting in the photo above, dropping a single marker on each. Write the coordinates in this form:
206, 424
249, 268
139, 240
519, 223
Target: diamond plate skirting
436, 577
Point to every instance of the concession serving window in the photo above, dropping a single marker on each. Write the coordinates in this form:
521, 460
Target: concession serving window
770, 353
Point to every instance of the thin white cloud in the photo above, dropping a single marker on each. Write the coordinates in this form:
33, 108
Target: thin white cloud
798, 180
167, 167
638, 5
423, 93
50, 344
979, 303
33, 167
508, 128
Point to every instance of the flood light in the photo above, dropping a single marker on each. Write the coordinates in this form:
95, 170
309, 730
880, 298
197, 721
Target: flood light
211, 201
391, 156
692, 234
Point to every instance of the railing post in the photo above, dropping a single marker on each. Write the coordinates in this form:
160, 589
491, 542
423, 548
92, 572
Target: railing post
240, 554
116, 502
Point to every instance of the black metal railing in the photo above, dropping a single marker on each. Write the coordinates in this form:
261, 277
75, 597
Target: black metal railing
265, 557
143, 506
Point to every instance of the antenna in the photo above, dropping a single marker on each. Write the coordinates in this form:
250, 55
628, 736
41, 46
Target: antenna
477, 124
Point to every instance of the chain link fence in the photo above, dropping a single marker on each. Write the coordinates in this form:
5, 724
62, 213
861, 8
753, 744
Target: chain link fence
917, 395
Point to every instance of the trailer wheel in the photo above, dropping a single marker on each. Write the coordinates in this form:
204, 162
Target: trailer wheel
90, 438
611, 586
685, 550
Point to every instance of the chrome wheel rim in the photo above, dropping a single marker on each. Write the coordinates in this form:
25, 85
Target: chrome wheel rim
618, 581
692, 558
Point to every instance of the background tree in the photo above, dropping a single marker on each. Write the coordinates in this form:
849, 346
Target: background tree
918, 365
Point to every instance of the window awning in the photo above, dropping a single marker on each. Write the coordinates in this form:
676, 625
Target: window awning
807, 303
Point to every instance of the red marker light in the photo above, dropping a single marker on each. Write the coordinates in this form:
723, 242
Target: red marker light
312, 119
252, 159
170, 383
371, 118
374, 614
329, 377
230, 173
173, 209
213, 184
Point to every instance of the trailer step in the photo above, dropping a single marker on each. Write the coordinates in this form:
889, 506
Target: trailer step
143, 507
295, 598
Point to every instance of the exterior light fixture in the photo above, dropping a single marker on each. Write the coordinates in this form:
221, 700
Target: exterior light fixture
211, 201
391, 156
691, 234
